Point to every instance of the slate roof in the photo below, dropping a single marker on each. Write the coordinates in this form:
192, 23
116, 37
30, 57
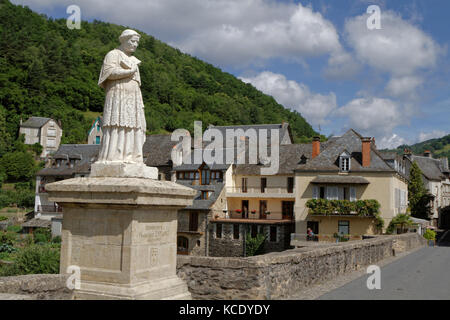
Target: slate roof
198, 203
35, 122
328, 159
157, 149
290, 156
85, 153
340, 179
37, 223
431, 168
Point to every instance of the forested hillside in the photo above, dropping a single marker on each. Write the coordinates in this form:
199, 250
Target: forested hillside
49, 70
438, 147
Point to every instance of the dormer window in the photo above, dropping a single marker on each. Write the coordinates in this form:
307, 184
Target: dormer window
344, 162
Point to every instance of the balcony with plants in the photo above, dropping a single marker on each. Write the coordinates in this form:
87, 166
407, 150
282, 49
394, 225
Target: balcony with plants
359, 208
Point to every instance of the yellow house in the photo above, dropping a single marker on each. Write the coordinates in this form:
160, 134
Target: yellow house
348, 168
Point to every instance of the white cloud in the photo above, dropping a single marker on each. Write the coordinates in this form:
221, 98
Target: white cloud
297, 96
372, 115
424, 136
402, 86
233, 32
399, 48
390, 142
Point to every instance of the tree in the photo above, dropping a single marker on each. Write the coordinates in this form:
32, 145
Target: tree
418, 196
402, 221
18, 165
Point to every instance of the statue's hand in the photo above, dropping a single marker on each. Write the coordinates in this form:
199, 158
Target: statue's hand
134, 68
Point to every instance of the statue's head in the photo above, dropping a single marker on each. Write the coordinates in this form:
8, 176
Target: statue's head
129, 40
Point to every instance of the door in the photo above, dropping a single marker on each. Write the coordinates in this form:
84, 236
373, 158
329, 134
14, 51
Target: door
262, 209
314, 226
288, 210
244, 209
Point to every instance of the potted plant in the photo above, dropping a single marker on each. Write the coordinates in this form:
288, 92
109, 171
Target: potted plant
430, 235
253, 211
267, 213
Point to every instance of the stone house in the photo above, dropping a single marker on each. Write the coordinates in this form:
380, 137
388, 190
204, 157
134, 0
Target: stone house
347, 168
95, 133
45, 131
69, 161
436, 178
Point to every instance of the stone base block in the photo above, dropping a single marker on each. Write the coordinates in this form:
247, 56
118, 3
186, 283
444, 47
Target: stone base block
123, 170
164, 289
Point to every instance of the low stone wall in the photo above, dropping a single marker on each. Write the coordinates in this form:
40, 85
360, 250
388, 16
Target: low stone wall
280, 275
37, 286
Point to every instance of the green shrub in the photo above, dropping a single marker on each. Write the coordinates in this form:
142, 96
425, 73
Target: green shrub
3, 218
254, 246
363, 208
56, 239
42, 235
34, 259
8, 237
22, 186
7, 248
14, 228
430, 234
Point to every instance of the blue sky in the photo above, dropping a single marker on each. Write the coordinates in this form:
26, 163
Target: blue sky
317, 57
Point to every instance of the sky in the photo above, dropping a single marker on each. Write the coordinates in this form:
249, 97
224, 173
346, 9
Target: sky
334, 62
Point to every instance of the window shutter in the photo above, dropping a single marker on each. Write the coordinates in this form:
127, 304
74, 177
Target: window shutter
315, 192
352, 194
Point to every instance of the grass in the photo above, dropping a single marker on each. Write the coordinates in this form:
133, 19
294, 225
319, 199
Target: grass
91, 115
13, 212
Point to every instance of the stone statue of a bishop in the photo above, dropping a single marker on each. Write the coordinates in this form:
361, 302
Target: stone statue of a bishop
124, 123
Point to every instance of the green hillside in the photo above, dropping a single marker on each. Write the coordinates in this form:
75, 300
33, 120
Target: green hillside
438, 147
48, 70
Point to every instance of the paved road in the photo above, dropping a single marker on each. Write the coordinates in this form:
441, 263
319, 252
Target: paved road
423, 274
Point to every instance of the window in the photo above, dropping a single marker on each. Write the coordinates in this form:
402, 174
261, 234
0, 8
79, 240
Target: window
263, 184
191, 175
322, 193
344, 162
344, 227
244, 185
51, 132
97, 140
193, 221
206, 176
235, 231
290, 185
273, 233
206, 195
218, 230
182, 245
51, 143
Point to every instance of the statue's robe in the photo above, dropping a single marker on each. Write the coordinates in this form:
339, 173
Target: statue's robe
124, 123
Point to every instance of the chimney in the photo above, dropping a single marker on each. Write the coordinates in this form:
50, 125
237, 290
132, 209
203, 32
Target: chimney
366, 151
315, 147
427, 154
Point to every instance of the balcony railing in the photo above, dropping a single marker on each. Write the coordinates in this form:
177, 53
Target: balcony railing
257, 215
49, 208
259, 190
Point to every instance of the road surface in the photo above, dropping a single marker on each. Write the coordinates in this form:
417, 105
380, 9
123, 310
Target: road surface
423, 274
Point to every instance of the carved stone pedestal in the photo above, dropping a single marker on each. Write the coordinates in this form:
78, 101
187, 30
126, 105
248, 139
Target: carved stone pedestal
122, 233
